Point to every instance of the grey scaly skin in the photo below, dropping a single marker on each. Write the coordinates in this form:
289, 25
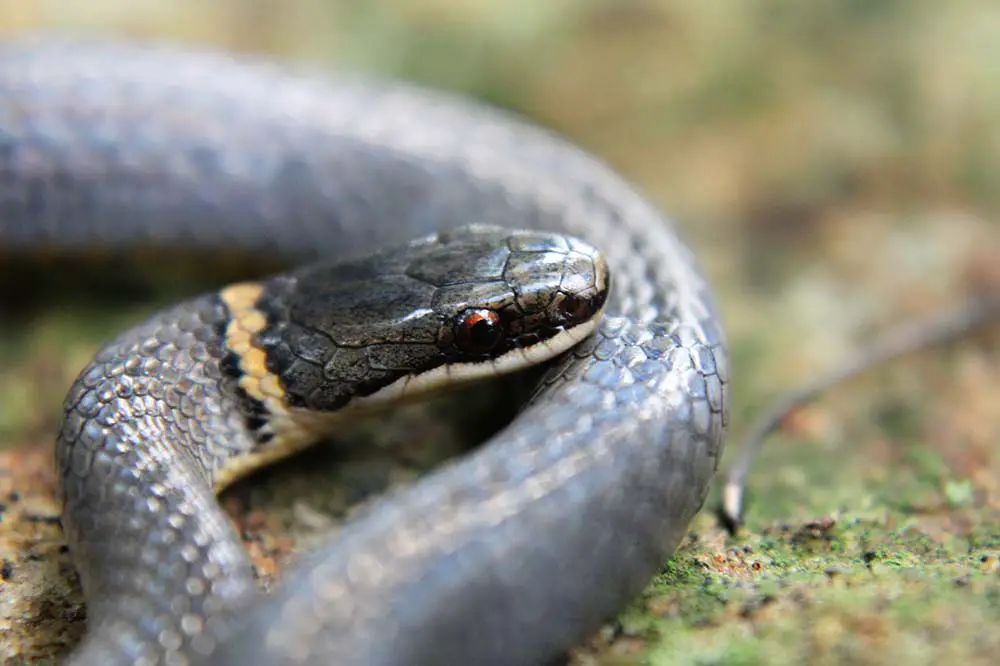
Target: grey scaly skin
510, 555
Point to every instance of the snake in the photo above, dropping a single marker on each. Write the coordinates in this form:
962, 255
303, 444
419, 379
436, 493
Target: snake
425, 240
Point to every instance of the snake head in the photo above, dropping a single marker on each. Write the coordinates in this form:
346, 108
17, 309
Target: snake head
443, 309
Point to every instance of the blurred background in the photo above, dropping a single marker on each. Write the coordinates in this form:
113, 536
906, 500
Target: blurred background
834, 165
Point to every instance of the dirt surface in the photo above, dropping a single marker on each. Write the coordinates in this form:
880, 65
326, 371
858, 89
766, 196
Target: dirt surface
832, 163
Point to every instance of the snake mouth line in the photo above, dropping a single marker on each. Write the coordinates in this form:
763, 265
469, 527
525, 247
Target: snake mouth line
450, 375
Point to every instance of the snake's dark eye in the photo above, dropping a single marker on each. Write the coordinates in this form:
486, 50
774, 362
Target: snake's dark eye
478, 331
574, 308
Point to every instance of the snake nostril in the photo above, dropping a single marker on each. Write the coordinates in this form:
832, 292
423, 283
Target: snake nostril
574, 308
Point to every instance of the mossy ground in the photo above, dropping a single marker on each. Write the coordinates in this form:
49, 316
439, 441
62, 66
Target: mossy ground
834, 166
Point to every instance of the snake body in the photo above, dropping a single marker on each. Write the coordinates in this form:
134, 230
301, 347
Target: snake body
511, 554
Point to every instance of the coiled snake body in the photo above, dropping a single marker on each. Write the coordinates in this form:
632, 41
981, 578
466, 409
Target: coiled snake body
508, 556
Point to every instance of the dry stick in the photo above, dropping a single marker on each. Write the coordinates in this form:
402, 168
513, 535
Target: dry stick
940, 328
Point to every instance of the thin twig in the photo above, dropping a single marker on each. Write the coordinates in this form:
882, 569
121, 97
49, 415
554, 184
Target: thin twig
940, 328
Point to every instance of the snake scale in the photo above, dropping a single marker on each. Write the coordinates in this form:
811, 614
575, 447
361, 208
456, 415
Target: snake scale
510, 554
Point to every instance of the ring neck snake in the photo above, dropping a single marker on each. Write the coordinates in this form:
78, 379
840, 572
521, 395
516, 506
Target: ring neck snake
428, 241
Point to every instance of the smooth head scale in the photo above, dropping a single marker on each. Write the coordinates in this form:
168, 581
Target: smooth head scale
462, 305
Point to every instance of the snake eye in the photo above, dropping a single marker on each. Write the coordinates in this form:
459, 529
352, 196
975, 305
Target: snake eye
574, 308
478, 331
